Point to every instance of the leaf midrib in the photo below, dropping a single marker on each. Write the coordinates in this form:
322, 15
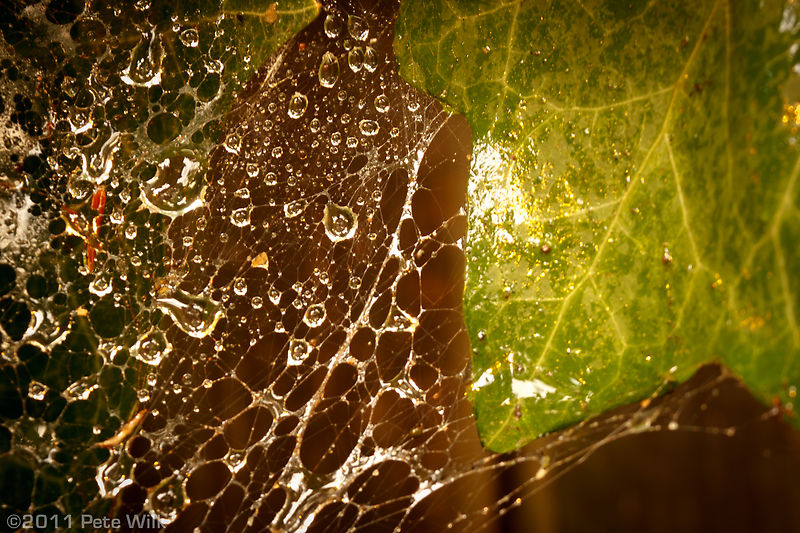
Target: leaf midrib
613, 224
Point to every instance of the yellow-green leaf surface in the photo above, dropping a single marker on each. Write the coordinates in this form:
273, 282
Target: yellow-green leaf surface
633, 203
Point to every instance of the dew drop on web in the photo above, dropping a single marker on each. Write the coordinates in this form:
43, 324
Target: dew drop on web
332, 26
368, 127
241, 217
297, 105
328, 71
355, 59
294, 208
357, 28
151, 347
314, 315
381, 103
340, 222
195, 315
298, 351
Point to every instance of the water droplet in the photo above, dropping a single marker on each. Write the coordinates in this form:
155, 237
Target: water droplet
398, 320
37, 390
130, 232
274, 296
165, 503
243, 192
195, 315
79, 188
101, 285
413, 106
314, 315
314, 125
151, 347
176, 186
298, 351
241, 217
381, 103
370, 59
297, 105
339, 221
145, 66
328, 70
189, 37
240, 286
143, 395
357, 28
354, 282
368, 127
292, 209
355, 59
271, 178
332, 26
252, 170
336, 138
277, 152
81, 389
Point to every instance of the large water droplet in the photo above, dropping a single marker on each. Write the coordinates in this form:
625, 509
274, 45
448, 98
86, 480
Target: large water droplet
189, 37
79, 187
292, 209
37, 390
176, 186
339, 221
328, 70
314, 315
357, 28
240, 286
101, 285
381, 103
355, 59
298, 351
332, 25
252, 170
165, 502
297, 105
241, 217
151, 347
145, 66
368, 127
370, 59
195, 315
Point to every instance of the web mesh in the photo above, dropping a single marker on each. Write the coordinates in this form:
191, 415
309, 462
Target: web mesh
296, 340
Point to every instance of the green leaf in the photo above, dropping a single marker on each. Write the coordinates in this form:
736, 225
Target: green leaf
633, 197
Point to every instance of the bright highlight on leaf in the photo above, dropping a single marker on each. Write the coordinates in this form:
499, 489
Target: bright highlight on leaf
633, 198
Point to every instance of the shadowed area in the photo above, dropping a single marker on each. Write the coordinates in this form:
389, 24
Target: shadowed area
329, 251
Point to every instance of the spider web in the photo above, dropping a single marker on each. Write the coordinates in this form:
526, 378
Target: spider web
308, 368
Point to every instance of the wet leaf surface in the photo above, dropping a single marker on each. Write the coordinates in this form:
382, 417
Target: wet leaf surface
633, 198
